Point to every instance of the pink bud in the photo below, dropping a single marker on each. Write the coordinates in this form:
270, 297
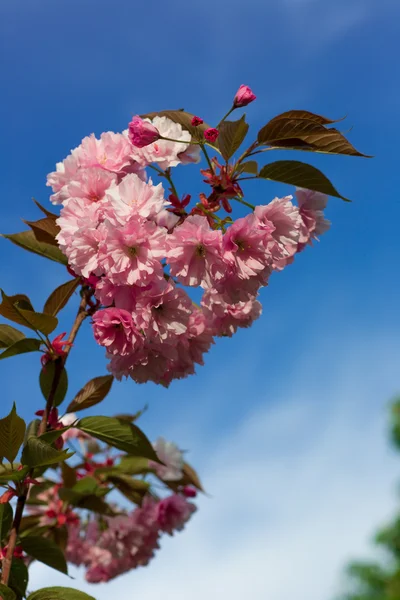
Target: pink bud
142, 133
189, 491
197, 121
243, 97
211, 134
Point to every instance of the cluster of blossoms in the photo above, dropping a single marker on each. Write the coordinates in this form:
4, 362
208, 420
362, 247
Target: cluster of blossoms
141, 249
108, 546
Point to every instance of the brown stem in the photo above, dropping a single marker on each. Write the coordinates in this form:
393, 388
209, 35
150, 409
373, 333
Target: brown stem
7, 561
23, 492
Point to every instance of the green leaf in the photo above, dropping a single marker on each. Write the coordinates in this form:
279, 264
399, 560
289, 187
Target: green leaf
21, 347
27, 240
6, 593
59, 593
19, 577
92, 393
46, 551
32, 429
19, 309
38, 453
46, 379
9, 335
13, 474
12, 432
185, 120
6, 519
119, 434
249, 166
68, 475
132, 417
60, 296
51, 436
132, 465
133, 489
86, 500
301, 175
302, 134
231, 136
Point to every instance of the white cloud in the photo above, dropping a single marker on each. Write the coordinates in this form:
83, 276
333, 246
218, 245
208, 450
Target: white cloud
296, 490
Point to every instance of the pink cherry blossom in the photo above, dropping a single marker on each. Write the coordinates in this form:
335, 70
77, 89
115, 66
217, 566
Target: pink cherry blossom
194, 252
247, 246
130, 254
285, 218
312, 205
223, 318
111, 152
114, 329
173, 512
90, 184
59, 179
134, 197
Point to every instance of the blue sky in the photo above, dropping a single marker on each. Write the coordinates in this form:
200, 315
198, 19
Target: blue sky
295, 407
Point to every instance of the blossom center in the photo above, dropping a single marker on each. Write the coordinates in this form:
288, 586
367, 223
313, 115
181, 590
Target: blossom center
200, 250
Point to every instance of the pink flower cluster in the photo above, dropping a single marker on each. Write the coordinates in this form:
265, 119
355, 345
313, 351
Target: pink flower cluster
115, 226
126, 542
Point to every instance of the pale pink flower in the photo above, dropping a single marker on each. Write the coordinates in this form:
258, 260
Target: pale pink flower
90, 184
194, 252
247, 247
142, 133
171, 456
163, 311
163, 152
74, 215
223, 318
311, 205
72, 433
243, 96
173, 512
285, 218
83, 250
111, 152
122, 296
166, 219
191, 155
133, 197
131, 254
59, 179
114, 329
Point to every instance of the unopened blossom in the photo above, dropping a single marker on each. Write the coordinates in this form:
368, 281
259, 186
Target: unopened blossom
211, 134
114, 329
194, 252
243, 96
142, 133
165, 153
196, 121
171, 456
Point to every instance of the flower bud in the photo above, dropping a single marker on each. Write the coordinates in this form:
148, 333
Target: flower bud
189, 491
197, 121
243, 96
211, 134
142, 133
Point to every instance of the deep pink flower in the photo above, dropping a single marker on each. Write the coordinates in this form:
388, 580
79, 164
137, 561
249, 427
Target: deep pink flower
142, 133
243, 96
197, 121
114, 329
194, 252
56, 350
211, 134
173, 512
189, 491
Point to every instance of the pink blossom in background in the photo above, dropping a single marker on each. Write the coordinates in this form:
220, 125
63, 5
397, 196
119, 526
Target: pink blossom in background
171, 456
173, 512
223, 319
311, 205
